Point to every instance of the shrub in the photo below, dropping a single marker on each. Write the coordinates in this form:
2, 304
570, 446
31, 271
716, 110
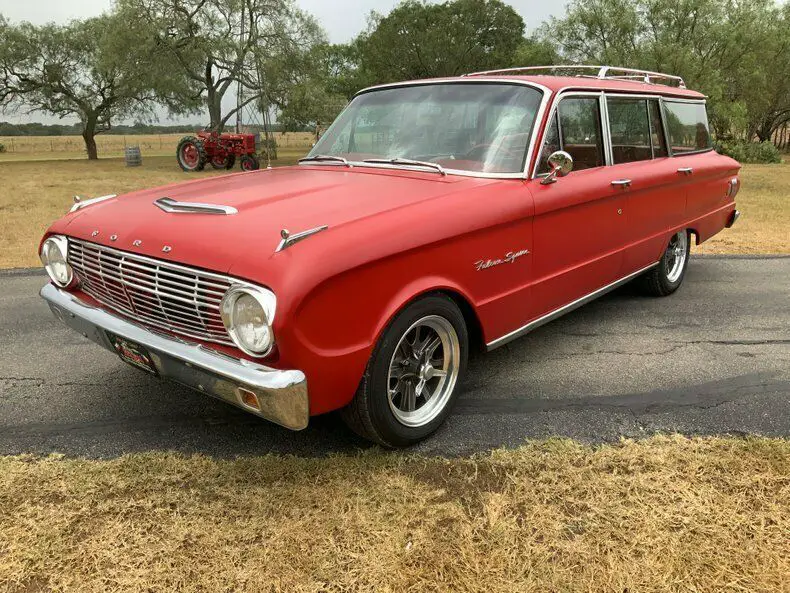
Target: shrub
2, 148
750, 152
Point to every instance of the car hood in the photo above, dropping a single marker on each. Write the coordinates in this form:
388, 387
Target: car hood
294, 198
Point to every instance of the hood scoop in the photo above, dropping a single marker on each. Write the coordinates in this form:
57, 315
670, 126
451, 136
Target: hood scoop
171, 205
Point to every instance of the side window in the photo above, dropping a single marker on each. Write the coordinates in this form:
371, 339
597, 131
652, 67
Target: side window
630, 127
657, 138
576, 129
687, 126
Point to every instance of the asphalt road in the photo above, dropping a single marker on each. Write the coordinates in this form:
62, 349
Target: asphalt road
712, 359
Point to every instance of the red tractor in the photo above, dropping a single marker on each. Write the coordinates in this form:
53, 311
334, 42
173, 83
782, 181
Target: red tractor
220, 150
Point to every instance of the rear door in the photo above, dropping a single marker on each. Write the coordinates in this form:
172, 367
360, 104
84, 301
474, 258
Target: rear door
691, 149
577, 228
653, 189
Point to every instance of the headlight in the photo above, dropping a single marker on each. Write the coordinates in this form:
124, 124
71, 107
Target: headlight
248, 313
54, 252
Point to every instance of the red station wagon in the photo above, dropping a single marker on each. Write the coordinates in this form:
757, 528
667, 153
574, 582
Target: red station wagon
432, 217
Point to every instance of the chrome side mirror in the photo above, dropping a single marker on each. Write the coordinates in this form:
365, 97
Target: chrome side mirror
560, 164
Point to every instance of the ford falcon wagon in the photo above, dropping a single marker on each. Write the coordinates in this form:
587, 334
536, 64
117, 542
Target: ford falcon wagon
432, 218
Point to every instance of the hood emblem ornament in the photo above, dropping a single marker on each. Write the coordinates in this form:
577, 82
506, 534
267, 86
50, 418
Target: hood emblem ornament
288, 239
171, 205
167, 249
95, 234
113, 237
137, 243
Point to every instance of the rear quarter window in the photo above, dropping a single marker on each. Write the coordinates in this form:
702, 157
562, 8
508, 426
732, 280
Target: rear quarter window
687, 126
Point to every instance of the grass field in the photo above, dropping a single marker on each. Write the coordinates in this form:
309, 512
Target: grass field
69, 147
665, 514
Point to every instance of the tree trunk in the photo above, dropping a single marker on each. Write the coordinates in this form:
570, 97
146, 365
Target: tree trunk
89, 136
213, 101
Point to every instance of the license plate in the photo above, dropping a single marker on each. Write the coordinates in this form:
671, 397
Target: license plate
133, 353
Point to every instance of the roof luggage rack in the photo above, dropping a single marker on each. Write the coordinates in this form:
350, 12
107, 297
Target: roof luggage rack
602, 73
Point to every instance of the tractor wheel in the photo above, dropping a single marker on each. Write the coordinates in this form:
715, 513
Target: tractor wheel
226, 162
191, 154
249, 162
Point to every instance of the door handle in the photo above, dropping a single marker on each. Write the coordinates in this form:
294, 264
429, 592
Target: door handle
621, 183
686, 170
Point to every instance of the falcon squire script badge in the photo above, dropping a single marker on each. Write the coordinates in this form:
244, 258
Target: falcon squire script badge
510, 258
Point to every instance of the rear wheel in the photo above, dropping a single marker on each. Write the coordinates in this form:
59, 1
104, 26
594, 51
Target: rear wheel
667, 276
249, 162
191, 154
411, 381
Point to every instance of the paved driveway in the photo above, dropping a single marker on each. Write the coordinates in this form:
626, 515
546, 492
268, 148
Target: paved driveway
713, 358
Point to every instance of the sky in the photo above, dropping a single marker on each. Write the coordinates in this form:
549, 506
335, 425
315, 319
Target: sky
341, 19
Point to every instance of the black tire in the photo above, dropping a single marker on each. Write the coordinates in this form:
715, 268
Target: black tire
226, 163
191, 154
666, 278
370, 413
249, 162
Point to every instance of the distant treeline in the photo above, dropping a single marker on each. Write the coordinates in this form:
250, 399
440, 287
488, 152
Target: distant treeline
39, 129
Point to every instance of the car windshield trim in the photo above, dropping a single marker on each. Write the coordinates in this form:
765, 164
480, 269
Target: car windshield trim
514, 124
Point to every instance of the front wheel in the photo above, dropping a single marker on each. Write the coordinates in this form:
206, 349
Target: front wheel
249, 162
411, 381
667, 276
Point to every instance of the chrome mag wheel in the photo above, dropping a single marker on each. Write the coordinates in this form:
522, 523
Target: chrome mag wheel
423, 371
675, 259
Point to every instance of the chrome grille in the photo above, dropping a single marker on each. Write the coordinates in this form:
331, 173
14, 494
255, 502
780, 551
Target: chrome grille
164, 295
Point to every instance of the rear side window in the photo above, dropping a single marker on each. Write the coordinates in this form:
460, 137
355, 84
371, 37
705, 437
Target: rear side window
687, 126
630, 128
576, 129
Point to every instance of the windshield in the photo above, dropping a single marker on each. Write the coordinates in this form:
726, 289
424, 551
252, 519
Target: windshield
462, 126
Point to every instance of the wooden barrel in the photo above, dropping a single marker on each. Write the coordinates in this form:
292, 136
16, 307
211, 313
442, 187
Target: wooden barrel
134, 157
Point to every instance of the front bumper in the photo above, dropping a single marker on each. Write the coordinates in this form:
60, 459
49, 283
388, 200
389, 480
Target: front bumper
281, 395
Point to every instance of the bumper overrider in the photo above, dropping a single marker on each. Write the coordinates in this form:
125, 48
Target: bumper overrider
281, 395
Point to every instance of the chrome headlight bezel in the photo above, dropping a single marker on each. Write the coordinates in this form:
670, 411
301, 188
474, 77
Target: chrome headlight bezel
60, 243
268, 302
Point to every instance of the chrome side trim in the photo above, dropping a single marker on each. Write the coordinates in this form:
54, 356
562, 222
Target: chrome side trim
564, 309
288, 239
80, 203
171, 205
282, 394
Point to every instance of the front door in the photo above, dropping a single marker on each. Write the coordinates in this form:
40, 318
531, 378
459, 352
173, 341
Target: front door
578, 227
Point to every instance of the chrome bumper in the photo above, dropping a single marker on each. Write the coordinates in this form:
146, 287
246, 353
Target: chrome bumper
736, 214
282, 395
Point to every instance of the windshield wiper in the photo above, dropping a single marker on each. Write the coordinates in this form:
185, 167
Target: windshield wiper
407, 163
325, 158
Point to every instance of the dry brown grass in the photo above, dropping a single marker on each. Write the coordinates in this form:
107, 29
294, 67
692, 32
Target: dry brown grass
764, 225
34, 194
666, 514
53, 147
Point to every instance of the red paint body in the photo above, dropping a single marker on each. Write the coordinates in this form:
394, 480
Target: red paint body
395, 234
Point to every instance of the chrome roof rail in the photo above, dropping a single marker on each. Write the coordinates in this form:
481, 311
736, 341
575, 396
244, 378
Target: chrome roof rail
601, 72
